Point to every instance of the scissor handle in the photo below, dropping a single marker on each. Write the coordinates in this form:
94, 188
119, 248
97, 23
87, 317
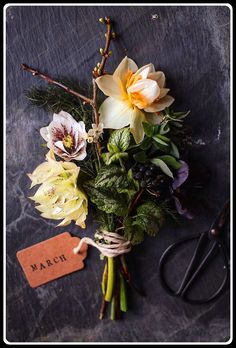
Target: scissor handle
193, 271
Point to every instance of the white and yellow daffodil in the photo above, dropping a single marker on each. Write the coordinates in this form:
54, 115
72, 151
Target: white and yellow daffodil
58, 196
135, 96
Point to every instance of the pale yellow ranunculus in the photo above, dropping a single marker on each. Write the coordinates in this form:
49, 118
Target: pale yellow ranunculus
135, 96
58, 196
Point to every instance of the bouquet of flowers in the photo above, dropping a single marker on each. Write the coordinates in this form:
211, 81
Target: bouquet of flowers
119, 157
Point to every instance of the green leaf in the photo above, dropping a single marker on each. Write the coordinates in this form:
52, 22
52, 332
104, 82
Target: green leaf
109, 176
146, 144
119, 140
164, 128
174, 150
159, 139
148, 129
107, 199
150, 218
170, 161
135, 234
140, 157
109, 157
117, 178
181, 115
161, 164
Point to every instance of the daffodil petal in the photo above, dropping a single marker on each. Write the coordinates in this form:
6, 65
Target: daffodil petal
163, 92
110, 86
154, 118
145, 70
136, 125
159, 77
123, 68
115, 114
144, 92
160, 104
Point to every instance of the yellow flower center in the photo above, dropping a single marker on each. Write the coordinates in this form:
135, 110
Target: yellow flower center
68, 141
135, 98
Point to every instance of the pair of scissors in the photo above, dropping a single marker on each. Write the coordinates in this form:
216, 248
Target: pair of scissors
196, 266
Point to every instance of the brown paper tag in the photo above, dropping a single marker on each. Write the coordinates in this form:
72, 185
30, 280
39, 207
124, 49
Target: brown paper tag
51, 259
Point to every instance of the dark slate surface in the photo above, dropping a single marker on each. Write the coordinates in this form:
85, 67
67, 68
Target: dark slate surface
191, 44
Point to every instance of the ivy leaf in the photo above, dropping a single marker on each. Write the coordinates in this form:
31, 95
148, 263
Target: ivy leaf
119, 140
148, 129
107, 199
161, 164
170, 161
140, 157
150, 218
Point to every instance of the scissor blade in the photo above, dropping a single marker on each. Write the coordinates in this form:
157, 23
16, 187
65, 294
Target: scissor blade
221, 219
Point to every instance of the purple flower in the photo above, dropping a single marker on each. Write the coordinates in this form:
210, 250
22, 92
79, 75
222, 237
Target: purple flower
180, 178
182, 175
66, 137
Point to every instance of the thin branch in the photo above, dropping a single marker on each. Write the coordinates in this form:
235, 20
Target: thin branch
135, 201
54, 82
105, 52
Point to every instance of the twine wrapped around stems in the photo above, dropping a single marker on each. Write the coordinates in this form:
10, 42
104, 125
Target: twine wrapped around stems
110, 244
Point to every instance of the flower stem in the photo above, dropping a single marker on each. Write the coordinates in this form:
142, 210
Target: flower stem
102, 309
110, 279
113, 308
104, 279
123, 297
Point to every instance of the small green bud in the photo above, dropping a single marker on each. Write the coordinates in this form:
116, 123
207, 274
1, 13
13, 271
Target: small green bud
109, 53
113, 35
101, 51
99, 71
102, 20
98, 64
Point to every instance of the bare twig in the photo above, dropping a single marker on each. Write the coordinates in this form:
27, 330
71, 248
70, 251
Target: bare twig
135, 201
49, 80
105, 52
96, 72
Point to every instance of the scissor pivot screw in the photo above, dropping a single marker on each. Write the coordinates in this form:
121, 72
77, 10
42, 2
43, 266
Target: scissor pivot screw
214, 232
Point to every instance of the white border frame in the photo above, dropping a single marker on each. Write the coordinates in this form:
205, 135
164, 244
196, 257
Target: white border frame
231, 174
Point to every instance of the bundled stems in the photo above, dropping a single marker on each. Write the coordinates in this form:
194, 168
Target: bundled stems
110, 279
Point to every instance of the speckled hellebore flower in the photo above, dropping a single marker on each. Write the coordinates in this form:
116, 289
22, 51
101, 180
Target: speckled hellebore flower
65, 136
135, 96
59, 196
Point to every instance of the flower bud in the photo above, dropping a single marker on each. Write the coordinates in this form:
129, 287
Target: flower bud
113, 35
101, 51
102, 20
109, 53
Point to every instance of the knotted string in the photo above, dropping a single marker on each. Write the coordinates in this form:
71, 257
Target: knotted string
110, 244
